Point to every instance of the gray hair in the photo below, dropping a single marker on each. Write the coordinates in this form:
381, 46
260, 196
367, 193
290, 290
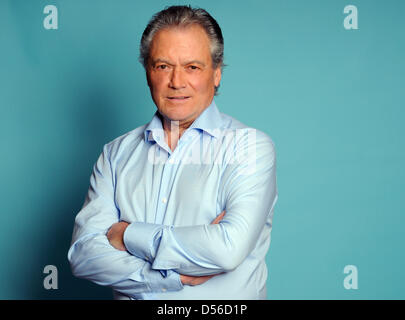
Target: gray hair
183, 16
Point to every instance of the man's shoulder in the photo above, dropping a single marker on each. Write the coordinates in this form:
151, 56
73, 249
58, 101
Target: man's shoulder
251, 145
233, 125
127, 140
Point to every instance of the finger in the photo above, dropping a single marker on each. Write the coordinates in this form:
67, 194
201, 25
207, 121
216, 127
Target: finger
109, 232
218, 218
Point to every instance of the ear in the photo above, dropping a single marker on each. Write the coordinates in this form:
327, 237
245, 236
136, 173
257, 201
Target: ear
217, 76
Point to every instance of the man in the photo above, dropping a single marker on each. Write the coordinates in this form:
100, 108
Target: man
180, 208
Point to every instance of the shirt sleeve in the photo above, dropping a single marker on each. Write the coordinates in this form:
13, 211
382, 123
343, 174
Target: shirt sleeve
92, 257
251, 193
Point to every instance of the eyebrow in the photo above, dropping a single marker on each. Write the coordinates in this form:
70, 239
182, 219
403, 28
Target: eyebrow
188, 62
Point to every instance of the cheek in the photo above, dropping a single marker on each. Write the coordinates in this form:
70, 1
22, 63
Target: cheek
158, 82
201, 83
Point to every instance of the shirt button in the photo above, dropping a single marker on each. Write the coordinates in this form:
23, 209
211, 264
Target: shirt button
171, 161
164, 200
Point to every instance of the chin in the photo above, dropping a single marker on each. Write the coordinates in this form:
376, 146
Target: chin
177, 116
176, 113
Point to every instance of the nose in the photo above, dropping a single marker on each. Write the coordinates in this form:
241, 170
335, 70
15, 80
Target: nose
177, 80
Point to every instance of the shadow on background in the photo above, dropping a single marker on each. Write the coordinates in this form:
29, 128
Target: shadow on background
65, 94
95, 123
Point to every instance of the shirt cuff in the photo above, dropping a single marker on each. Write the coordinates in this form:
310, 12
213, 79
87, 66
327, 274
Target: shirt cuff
171, 282
142, 239
155, 281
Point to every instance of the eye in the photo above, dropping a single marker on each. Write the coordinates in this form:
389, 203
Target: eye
193, 67
161, 67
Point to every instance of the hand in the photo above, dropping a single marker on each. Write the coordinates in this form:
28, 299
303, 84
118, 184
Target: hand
116, 235
196, 280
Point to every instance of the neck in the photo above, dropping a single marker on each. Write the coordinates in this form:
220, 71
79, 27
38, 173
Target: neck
174, 130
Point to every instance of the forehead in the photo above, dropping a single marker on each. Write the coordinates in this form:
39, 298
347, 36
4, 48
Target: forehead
175, 42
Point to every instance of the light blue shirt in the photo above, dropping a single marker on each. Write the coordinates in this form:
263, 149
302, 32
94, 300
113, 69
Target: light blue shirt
170, 199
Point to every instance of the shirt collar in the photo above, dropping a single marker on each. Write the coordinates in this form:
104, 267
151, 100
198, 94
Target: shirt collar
154, 125
209, 120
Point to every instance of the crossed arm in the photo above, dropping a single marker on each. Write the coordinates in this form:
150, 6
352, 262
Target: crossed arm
92, 257
175, 261
115, 236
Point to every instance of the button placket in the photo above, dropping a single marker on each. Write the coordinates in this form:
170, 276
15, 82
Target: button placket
167, 173
164, 188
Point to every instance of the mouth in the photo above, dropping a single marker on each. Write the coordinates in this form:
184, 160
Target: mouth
178, 98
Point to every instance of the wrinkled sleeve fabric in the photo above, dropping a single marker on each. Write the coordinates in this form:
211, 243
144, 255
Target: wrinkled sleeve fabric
250, 192
92, 257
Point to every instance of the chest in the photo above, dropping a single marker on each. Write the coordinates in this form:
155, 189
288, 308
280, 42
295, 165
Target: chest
170, 192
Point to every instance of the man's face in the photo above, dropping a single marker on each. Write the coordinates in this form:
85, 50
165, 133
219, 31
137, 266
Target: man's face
180, 73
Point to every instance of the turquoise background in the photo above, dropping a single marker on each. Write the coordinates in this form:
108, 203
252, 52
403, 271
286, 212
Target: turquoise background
331, 99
